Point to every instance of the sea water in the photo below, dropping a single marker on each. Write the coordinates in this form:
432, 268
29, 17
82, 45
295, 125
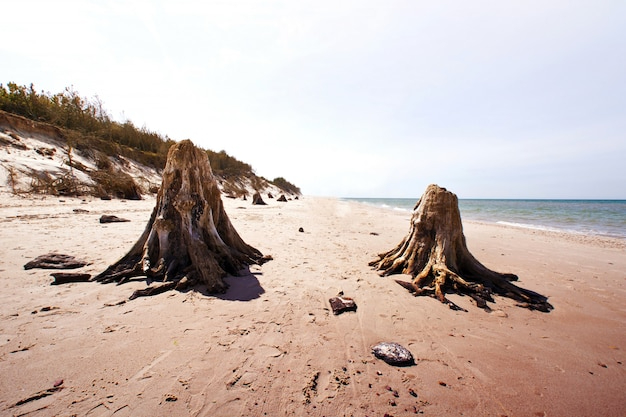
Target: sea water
591, 217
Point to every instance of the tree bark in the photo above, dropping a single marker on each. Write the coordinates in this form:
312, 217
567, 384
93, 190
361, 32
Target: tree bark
189, 239
434, 253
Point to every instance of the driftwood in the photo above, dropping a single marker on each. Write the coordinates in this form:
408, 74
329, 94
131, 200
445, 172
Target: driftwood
282, 198
67, 277
55, 261
435, 254
109, 218
189, 239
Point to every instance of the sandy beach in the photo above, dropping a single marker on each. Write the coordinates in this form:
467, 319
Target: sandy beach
271, 346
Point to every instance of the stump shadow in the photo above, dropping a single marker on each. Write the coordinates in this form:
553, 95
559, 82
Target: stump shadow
245, 287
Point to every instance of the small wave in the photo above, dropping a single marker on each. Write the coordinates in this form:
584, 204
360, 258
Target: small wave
541, 227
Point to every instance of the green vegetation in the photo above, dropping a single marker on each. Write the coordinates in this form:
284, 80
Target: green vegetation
86, 124
226, 166
89, 129
285, 185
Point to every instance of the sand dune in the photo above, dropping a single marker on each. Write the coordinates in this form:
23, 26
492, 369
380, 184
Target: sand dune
271, 346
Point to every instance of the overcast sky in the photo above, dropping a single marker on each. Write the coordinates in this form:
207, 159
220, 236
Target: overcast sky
367, 98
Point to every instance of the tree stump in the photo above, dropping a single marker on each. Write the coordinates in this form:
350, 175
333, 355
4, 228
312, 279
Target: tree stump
258, 200
435, 254
189, 239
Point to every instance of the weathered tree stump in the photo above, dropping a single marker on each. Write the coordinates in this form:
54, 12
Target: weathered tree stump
258, 200
435, 254
189, 239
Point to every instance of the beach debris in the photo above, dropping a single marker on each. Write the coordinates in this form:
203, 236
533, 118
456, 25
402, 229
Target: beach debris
80, 211
270, 195
189, 238
55, 261
170, 398
67, 277
339, 304
301, 230
45, 151
282, 198
258, 200
45, 309
310, 390
435, 254
109, 218
393, 353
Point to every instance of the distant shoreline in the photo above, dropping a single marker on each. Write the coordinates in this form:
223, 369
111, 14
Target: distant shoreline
594, 218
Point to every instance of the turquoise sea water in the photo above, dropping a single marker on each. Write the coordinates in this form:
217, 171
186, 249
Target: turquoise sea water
593, 217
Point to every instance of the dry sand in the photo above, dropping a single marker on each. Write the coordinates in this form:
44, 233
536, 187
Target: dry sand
271, 346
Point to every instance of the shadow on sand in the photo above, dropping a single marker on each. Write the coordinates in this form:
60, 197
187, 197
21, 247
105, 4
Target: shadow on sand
245, 287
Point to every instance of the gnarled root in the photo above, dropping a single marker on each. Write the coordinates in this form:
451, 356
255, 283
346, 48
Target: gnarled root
437, 279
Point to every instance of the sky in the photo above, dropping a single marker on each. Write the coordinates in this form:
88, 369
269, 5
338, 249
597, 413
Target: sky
367, 98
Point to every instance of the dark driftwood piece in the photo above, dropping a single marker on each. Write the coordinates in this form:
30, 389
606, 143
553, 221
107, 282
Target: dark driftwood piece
109, 218
67, 277
189, 239
435, 254
340, 304
55, 261
282, 198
